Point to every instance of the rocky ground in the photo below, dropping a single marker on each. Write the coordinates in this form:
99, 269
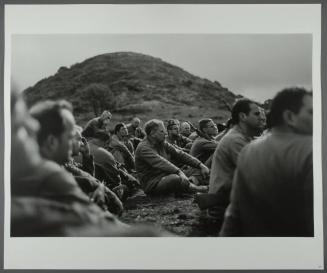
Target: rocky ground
180, 216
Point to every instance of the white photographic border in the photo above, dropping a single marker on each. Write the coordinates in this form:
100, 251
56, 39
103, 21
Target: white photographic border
167, 253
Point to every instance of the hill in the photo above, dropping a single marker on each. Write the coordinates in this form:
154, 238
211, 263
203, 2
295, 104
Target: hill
139, 85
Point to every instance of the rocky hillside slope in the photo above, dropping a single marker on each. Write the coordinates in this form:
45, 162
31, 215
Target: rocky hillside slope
140, 84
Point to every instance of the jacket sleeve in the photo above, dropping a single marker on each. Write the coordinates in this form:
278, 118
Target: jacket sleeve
181, 156
209, 146
155, 160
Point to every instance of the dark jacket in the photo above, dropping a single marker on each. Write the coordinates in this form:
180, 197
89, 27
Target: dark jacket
272, 192
153, 162
203, 148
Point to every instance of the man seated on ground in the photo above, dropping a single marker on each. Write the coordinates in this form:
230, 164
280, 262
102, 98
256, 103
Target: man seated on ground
109, 170
272, 192
84, 176
175, 138
45, 200
134, 129
185, 129
204, 146
121, 148
246, 120
153, 160
97, 126
135, 132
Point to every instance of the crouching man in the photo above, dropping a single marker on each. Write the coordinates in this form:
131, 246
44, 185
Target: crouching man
153, 160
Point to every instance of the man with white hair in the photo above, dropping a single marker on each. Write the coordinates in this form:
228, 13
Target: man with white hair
134, 129
185, 129
153, 160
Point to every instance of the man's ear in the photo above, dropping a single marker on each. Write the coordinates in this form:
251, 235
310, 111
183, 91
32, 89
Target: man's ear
241, 116
288, 117
51, 143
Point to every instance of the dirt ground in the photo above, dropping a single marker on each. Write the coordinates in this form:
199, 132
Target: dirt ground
181, 215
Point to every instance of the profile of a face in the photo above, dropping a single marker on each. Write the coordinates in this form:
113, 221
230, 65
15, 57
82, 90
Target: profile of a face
106, 121
159, 133
211, 129
63, 149
174, 130
136, 123
253, 118
263, 119
123, 131
77, 143
302, 122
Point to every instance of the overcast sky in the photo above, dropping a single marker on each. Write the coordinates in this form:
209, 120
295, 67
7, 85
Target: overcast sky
256, 66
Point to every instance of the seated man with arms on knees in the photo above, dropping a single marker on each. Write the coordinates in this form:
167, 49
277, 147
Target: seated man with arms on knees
135, 132
204, 146
97, 126
175, 138
109, 170
153, 159
84, 176
121, 147
272, 193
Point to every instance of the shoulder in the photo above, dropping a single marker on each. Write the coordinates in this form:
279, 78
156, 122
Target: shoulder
184, 138
143, 145
199, 141
301, 144
56, 176
104, 155
233, 136
92, 121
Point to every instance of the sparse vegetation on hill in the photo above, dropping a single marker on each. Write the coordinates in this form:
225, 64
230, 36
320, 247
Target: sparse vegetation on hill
136, 84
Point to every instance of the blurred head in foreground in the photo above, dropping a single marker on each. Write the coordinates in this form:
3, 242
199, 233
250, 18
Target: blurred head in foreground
57, 129
291, 110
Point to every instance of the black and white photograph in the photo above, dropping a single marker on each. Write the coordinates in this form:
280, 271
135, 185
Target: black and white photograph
204, 135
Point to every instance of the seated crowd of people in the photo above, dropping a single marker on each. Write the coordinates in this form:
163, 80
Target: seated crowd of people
253, 176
